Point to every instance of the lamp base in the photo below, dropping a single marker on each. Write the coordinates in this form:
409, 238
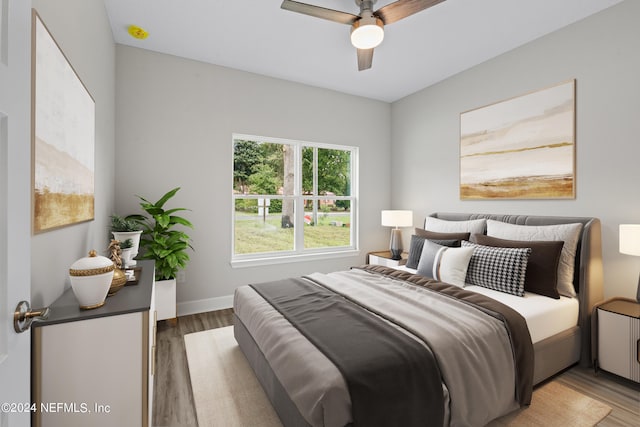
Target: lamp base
638, 291
395, 244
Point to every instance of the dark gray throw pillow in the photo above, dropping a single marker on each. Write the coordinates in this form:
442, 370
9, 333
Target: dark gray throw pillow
417, 242
542, 269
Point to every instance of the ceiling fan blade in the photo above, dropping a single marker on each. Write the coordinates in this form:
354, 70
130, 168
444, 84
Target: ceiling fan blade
320, 12
365, 58
402, 8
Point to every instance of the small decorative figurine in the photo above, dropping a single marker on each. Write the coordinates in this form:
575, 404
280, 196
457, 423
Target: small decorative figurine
119, 277
115, 253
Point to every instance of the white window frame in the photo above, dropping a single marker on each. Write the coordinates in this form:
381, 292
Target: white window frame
299, 253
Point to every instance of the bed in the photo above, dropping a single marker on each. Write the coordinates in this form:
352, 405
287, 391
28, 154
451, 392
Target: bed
309, 387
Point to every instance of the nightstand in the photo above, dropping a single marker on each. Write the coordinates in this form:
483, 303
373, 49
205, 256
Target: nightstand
384, 258
619, 338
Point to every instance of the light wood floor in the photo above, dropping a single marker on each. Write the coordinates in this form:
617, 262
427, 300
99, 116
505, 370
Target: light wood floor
173, 400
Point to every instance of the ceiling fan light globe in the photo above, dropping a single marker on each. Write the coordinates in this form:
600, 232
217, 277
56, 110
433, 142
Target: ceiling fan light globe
367, 34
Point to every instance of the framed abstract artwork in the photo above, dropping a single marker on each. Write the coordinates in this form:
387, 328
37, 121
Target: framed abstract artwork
521, 148
63, 137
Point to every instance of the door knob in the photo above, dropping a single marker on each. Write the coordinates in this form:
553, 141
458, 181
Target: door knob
24, 315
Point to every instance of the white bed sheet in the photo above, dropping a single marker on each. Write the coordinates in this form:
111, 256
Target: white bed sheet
545, 316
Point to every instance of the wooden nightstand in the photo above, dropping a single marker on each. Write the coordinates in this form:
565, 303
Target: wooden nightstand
384, 258
619, 338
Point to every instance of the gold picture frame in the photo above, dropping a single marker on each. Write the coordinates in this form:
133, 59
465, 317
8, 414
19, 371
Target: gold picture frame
520, 148
62, 137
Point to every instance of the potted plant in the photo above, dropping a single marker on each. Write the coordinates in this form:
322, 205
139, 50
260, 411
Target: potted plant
127, 253
167, 246
124, 228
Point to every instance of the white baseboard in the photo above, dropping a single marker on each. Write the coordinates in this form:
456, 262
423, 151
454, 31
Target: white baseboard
204, 305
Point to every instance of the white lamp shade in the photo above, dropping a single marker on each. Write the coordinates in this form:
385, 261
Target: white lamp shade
630, 239
397, 218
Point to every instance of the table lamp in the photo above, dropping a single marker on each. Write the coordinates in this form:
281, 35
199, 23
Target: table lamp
630, 244
396, 219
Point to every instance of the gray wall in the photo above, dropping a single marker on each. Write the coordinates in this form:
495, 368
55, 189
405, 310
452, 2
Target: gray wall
81, 28
175, 120
603, 54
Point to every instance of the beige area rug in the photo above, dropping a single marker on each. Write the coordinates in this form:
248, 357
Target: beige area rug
556, 405
227, 393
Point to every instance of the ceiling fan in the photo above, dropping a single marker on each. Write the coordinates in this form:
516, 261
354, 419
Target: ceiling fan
367, 28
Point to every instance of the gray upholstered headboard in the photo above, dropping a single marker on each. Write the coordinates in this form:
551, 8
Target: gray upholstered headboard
588, 278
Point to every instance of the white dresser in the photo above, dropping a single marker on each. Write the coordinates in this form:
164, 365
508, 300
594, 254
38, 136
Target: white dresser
96, 367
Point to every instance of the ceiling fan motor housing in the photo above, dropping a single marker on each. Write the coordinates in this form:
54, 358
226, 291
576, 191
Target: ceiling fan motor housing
365, 4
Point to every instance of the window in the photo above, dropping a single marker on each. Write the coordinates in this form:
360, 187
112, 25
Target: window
292, 198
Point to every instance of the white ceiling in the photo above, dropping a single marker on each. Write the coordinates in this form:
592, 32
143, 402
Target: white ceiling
418, 51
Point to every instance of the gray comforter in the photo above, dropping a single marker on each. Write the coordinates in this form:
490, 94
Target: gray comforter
473, 349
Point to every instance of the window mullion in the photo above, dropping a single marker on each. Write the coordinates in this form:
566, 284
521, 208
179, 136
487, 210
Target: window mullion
353, 192
299, 202
315, 185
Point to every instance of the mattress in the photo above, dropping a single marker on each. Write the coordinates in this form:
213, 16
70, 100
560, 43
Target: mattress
545, 316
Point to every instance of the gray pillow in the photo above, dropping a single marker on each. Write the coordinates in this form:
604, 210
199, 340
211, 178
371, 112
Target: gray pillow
415, 248
445, 226
444, 263
427, 258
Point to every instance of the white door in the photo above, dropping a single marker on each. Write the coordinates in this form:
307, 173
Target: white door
15, 232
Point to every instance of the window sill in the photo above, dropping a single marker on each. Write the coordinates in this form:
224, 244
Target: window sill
254, 262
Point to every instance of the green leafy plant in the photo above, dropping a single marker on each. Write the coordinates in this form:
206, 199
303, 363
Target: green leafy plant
161, 241
126, 244
124, 224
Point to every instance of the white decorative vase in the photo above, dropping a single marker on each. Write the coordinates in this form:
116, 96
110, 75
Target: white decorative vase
122, 236
166, 299
127, 257
90, 280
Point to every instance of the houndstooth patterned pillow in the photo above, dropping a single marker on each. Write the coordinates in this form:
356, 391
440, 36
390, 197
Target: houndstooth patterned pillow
500, 269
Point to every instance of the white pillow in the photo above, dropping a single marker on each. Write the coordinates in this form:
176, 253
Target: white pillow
446, 264
568, 233
473, 226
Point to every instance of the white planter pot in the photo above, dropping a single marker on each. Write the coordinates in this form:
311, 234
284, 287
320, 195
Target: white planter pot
133, 235
127, 257
166, 299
